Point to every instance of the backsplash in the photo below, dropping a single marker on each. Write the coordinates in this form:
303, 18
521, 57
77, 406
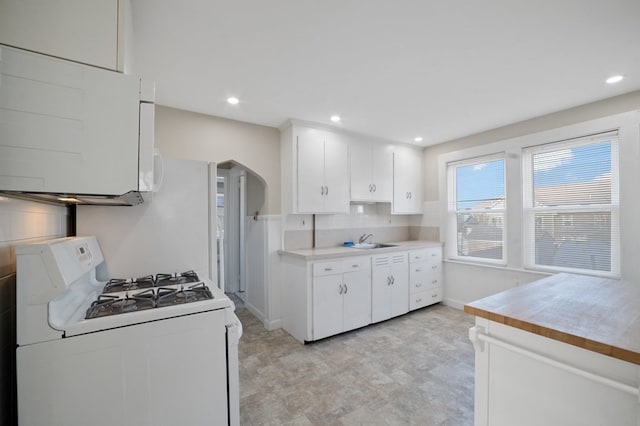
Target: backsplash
20, 221
333, 230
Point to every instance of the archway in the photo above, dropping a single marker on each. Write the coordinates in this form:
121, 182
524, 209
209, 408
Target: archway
241, 235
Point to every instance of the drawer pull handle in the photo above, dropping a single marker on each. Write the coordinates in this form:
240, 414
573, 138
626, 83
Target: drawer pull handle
354, 266
434, 295
419, 285
418, 300
328, 269
434, 267
434, 281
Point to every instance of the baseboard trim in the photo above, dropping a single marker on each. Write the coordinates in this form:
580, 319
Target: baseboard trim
271, 325
454, 303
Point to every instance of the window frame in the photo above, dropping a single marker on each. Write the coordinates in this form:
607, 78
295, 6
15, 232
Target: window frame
510, 141
452, 211
529, 209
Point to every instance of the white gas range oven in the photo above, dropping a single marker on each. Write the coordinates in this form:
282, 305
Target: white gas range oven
157, 350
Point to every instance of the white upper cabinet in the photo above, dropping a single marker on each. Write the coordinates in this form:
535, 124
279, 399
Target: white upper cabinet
371, 172
315, 171
71, 128
407, 181
90, 32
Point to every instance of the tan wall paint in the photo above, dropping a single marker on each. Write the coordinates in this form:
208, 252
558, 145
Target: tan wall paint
189, 135
610, 106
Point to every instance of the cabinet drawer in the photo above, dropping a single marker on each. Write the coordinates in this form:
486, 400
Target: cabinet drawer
418, 255
434, 255
328, 268
356, 264
419, 285
425, 298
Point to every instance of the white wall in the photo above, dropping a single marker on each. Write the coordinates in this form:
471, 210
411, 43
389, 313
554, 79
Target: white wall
465, 283
189, 135
184, 134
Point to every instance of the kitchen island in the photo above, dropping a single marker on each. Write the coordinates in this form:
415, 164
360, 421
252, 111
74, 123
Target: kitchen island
564, 350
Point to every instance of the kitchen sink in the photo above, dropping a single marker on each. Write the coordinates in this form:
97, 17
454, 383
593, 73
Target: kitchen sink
372, 245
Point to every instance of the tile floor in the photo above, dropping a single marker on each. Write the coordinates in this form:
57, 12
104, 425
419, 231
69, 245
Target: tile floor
416, 369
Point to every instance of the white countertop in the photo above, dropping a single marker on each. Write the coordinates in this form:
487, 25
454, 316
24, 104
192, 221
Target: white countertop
341, 251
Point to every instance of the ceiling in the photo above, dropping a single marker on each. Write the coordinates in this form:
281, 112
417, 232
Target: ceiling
391, 69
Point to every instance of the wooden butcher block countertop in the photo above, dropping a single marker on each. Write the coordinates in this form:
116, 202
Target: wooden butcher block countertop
598, 314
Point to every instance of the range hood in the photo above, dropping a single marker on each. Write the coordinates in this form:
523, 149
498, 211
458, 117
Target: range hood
74, 134
131, 198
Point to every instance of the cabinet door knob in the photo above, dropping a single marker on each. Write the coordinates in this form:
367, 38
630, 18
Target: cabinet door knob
341, 289
346, 289
326, 190
374, 187
393, 280
322, 190
370, 188
388, 280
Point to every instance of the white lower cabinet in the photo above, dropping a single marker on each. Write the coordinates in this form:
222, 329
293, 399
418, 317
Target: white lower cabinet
425, 277
341, 296
321, 298
389, 286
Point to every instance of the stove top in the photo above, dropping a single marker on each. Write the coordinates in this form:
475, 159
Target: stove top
121, 296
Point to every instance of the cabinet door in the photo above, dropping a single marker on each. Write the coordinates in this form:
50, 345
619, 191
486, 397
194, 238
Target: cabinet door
311, 186
407, 181
336, 174
327, 305
357, 299
382, 170
361, 159
380, 288
399, 296
65, 127
79, 30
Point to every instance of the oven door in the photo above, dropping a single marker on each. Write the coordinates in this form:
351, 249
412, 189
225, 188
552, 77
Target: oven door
161, 373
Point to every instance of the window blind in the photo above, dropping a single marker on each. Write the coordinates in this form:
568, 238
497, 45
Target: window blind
570, 195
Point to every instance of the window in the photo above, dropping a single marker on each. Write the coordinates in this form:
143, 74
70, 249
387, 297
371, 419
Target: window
570, 195
476, 209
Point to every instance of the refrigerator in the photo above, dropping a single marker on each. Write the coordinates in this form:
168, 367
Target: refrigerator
173, 232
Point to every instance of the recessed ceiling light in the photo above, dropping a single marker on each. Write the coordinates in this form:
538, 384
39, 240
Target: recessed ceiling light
418, 139
614, 79
335, 118
232, 100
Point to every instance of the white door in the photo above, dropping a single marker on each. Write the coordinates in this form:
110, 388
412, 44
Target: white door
357, 299
380, 288
361, 160
311, 185
382, 160
336, 175
327, 305
399, 295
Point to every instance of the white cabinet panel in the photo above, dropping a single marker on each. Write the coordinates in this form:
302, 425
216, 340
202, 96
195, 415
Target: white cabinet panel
67, 127
371, 172
407, 181
322, 172
78, 30
390, 286
341, 296
425, 277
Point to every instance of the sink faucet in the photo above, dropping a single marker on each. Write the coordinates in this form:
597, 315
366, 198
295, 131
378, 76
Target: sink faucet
364, 238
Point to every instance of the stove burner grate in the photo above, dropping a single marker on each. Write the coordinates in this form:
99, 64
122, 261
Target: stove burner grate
177, 278
107, 305
121, 284
194, 293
